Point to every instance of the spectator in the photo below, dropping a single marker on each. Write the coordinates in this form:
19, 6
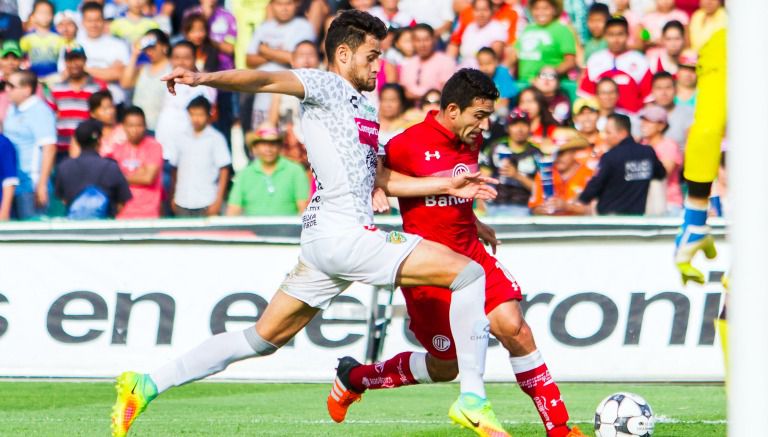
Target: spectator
31, 126
586, 112
488, 63
201, 160
392, 106
285, 112
134, 24
569, 176
483, 31
140, 159
545, 41
107, 55
10, 62
654, 123
607, 97
430, 101
102, 108
70, 98
148, 89
402, 47
654, 22
429, 68
665, 58
621, 8
271, 185
511, 160
9, 177
41, 45
222, 30
680, 117
437, 14
686, 80
390, 13
66, 26
173, 118
624, 173
91, 186
502, 11
10, 27
532, 102
596, 18
194, 29
558, 103
628, 69
708, 19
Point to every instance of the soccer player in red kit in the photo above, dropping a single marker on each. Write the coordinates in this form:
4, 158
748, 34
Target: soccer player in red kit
447, 143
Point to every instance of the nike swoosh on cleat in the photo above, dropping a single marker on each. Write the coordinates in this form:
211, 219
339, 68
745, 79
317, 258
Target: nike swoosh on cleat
475, 424
134, 387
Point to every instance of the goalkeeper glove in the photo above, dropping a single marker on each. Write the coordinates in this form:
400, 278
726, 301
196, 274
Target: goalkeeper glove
693, 237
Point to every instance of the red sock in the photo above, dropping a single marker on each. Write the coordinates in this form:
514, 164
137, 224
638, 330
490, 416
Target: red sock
394, 372
534, 379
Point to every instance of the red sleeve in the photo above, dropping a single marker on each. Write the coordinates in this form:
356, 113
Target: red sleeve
587, 87
155, 155
398, 158
645, 85
465, 17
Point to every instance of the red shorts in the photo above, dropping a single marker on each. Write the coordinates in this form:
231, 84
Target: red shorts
428, 306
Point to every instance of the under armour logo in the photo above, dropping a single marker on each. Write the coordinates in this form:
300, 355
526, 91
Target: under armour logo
428, 156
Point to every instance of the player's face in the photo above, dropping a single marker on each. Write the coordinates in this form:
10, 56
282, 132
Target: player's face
473, 120
135, 129
673, 41
663, 92
364, 64
519, 132
616, 39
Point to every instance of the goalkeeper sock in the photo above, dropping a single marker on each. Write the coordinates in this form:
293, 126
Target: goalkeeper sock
400, 370
534, 379
210, 357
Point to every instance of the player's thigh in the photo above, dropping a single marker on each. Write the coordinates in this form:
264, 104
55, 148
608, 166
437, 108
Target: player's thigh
431, 263
283, 318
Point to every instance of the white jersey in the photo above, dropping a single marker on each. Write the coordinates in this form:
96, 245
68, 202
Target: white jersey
341, 135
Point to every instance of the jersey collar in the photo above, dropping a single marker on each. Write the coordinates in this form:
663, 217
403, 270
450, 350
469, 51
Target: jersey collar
432, 121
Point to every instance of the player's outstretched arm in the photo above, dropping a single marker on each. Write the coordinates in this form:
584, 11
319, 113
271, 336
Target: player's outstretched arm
467, 185
247, 81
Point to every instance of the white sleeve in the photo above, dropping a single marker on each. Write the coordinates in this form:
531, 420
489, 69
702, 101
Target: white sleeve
121, 52
304, 32
221, 154
446, 11
321, 88
253, 47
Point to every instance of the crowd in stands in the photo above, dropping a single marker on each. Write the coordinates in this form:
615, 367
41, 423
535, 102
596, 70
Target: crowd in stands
596, 99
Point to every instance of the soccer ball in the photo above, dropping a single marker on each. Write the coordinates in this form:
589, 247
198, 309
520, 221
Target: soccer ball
624, 415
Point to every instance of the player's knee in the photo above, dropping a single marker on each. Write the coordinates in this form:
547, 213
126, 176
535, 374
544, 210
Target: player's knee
469, 274
261, 347
442, 370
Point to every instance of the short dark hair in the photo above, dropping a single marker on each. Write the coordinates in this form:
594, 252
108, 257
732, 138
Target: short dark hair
599, 9
674, 24
42, 2
399, 90
200, 102
96, 98
425, 27
606, 80
184, 43
488, 51
465, 86
134, 110
617, 21
622, 121
351, 28
88, 133
92, 6
161, 38
662, 75
27, 78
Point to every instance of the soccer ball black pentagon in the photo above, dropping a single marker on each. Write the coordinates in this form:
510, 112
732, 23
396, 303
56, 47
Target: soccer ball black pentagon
624, 415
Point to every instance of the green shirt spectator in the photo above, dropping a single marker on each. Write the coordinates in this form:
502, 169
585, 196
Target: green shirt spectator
271, 185
545, 41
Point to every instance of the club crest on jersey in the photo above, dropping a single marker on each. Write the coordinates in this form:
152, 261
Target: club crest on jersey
395, 237
441, 343
460, 169
428, 156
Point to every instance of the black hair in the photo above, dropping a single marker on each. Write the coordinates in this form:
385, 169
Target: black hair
465, 86
606, 80
161, 38
351, 28
622, 122
88, 133
425, 27
92, 6
96, 98
488, 51
43, 2
185, 43
547, 119
399, 90
661, 75
200, 102
311, 43
599, 9
399, 34
27, 78
617, 21
134, 110
674, 24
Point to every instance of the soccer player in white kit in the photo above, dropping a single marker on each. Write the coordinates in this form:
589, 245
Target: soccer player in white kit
339, 242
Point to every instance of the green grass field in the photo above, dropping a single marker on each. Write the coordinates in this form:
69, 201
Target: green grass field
225, 409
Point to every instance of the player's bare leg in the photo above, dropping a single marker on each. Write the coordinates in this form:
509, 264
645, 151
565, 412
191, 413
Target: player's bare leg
282, 319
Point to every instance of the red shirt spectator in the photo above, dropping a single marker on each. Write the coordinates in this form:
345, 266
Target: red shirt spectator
628, 68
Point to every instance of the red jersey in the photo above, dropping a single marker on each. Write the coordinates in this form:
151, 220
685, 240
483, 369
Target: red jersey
429, 149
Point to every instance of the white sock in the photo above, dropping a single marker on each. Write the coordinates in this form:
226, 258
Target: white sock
209, 357
526, 363
418, 365
469, 327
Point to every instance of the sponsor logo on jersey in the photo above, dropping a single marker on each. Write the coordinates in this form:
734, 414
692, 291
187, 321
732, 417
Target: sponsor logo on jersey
441, 343
395, 237
368, 132
428, 156
445, 201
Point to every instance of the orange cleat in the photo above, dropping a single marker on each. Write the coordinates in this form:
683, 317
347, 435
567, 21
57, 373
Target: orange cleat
342, 395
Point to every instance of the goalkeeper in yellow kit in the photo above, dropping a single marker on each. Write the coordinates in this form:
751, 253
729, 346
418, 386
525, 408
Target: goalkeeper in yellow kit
702, 158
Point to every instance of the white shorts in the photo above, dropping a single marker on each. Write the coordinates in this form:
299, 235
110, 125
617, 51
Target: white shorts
327, 266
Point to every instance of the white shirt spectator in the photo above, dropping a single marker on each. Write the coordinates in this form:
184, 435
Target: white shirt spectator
401, 18
103, 52
173, 120
198, 158
434, 12
281, 36
475, 38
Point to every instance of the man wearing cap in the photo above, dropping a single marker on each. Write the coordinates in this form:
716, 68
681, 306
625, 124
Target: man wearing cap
271, 184
686, 79
569, 176
10, 62
586, 112
654, 125
511, 160
70, 97
89, 169
66, 26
